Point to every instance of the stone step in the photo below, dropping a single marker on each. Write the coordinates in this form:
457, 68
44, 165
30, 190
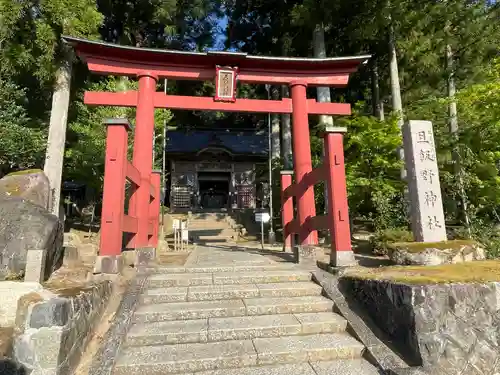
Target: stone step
234, 328
338, 367
231, 291
244, 277
230, 308
223, 268
187, 358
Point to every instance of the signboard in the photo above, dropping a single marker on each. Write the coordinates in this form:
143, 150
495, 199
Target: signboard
225, 83
176, 224
184, 235
262, 217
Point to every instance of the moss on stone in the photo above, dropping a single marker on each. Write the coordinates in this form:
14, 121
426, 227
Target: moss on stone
467, 272
418, 247
25, 172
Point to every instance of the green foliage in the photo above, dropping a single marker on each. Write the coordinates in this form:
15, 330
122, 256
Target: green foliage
20, 146
383, 239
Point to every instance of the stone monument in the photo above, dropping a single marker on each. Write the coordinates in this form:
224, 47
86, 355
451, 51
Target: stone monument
427, 215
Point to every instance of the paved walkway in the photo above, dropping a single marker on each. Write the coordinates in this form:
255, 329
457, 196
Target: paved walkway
228, 311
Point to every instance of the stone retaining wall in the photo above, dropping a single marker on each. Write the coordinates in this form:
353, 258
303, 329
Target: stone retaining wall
450, 328
51, 334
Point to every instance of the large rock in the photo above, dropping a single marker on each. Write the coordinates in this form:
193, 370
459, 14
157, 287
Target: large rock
25, 226
32, 185
434, 254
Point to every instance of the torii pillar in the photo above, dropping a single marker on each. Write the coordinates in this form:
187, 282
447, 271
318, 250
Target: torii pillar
302, 161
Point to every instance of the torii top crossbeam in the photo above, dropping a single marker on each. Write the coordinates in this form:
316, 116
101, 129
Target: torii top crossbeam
107, 58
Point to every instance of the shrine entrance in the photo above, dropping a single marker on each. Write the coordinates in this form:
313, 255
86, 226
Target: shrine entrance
226, 69
214, 189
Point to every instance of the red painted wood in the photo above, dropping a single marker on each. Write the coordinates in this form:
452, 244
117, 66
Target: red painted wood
338, 211
154, 208
133, 174
143, 157
129, 99
287, 212
129, 224
113, 200
312, 76
302, 162
206, 103
319, 223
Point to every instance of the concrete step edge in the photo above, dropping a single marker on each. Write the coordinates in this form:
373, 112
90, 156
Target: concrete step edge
234, 328
188, 358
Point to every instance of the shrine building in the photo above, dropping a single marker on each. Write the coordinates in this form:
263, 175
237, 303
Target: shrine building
215, 169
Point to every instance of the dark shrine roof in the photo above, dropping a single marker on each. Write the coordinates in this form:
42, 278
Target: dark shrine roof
211, 58
238, 143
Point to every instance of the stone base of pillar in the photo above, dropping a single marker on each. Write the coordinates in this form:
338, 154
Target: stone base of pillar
307, 255
342, 259
271, 238
145, 256
109, 264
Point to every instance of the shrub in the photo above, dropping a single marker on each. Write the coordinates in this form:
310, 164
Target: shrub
384, 238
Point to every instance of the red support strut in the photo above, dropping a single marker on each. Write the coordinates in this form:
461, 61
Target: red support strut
143, 156
287, 213
113, 199
154, 208
338, 213
302, 162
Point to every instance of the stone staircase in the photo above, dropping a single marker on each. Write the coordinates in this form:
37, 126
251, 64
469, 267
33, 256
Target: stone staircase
250, 318
212, 228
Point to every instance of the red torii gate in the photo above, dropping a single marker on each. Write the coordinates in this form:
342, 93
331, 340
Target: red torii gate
148, 65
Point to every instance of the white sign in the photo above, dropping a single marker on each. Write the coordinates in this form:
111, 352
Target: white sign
423, 180
184, 235
262, 217
176, 224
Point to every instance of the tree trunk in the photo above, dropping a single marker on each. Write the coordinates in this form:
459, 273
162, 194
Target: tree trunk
286, 125
378, 109
54, 158
322, 93
397, 104
275, 126
453, 124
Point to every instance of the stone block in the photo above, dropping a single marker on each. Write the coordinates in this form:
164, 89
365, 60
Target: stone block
176, 280
24, 226
35, 266
129, 257
182, 358
450, 328
260, 277
342, 259
345, 367
220, 292
32, 185
71, 256
110, 264
427, 214
288, 369
297, 289
164, 295
433, 254
327, 322
189, 310
10, 293
54, 312
251, 327
307, 255
269, 306
168, 333
291, 349
144, 256
56, 330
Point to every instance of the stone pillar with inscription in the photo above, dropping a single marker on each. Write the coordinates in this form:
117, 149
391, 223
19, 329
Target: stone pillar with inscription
427, 214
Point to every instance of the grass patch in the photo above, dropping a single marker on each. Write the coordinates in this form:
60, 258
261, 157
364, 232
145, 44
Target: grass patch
418, 247
469, 272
